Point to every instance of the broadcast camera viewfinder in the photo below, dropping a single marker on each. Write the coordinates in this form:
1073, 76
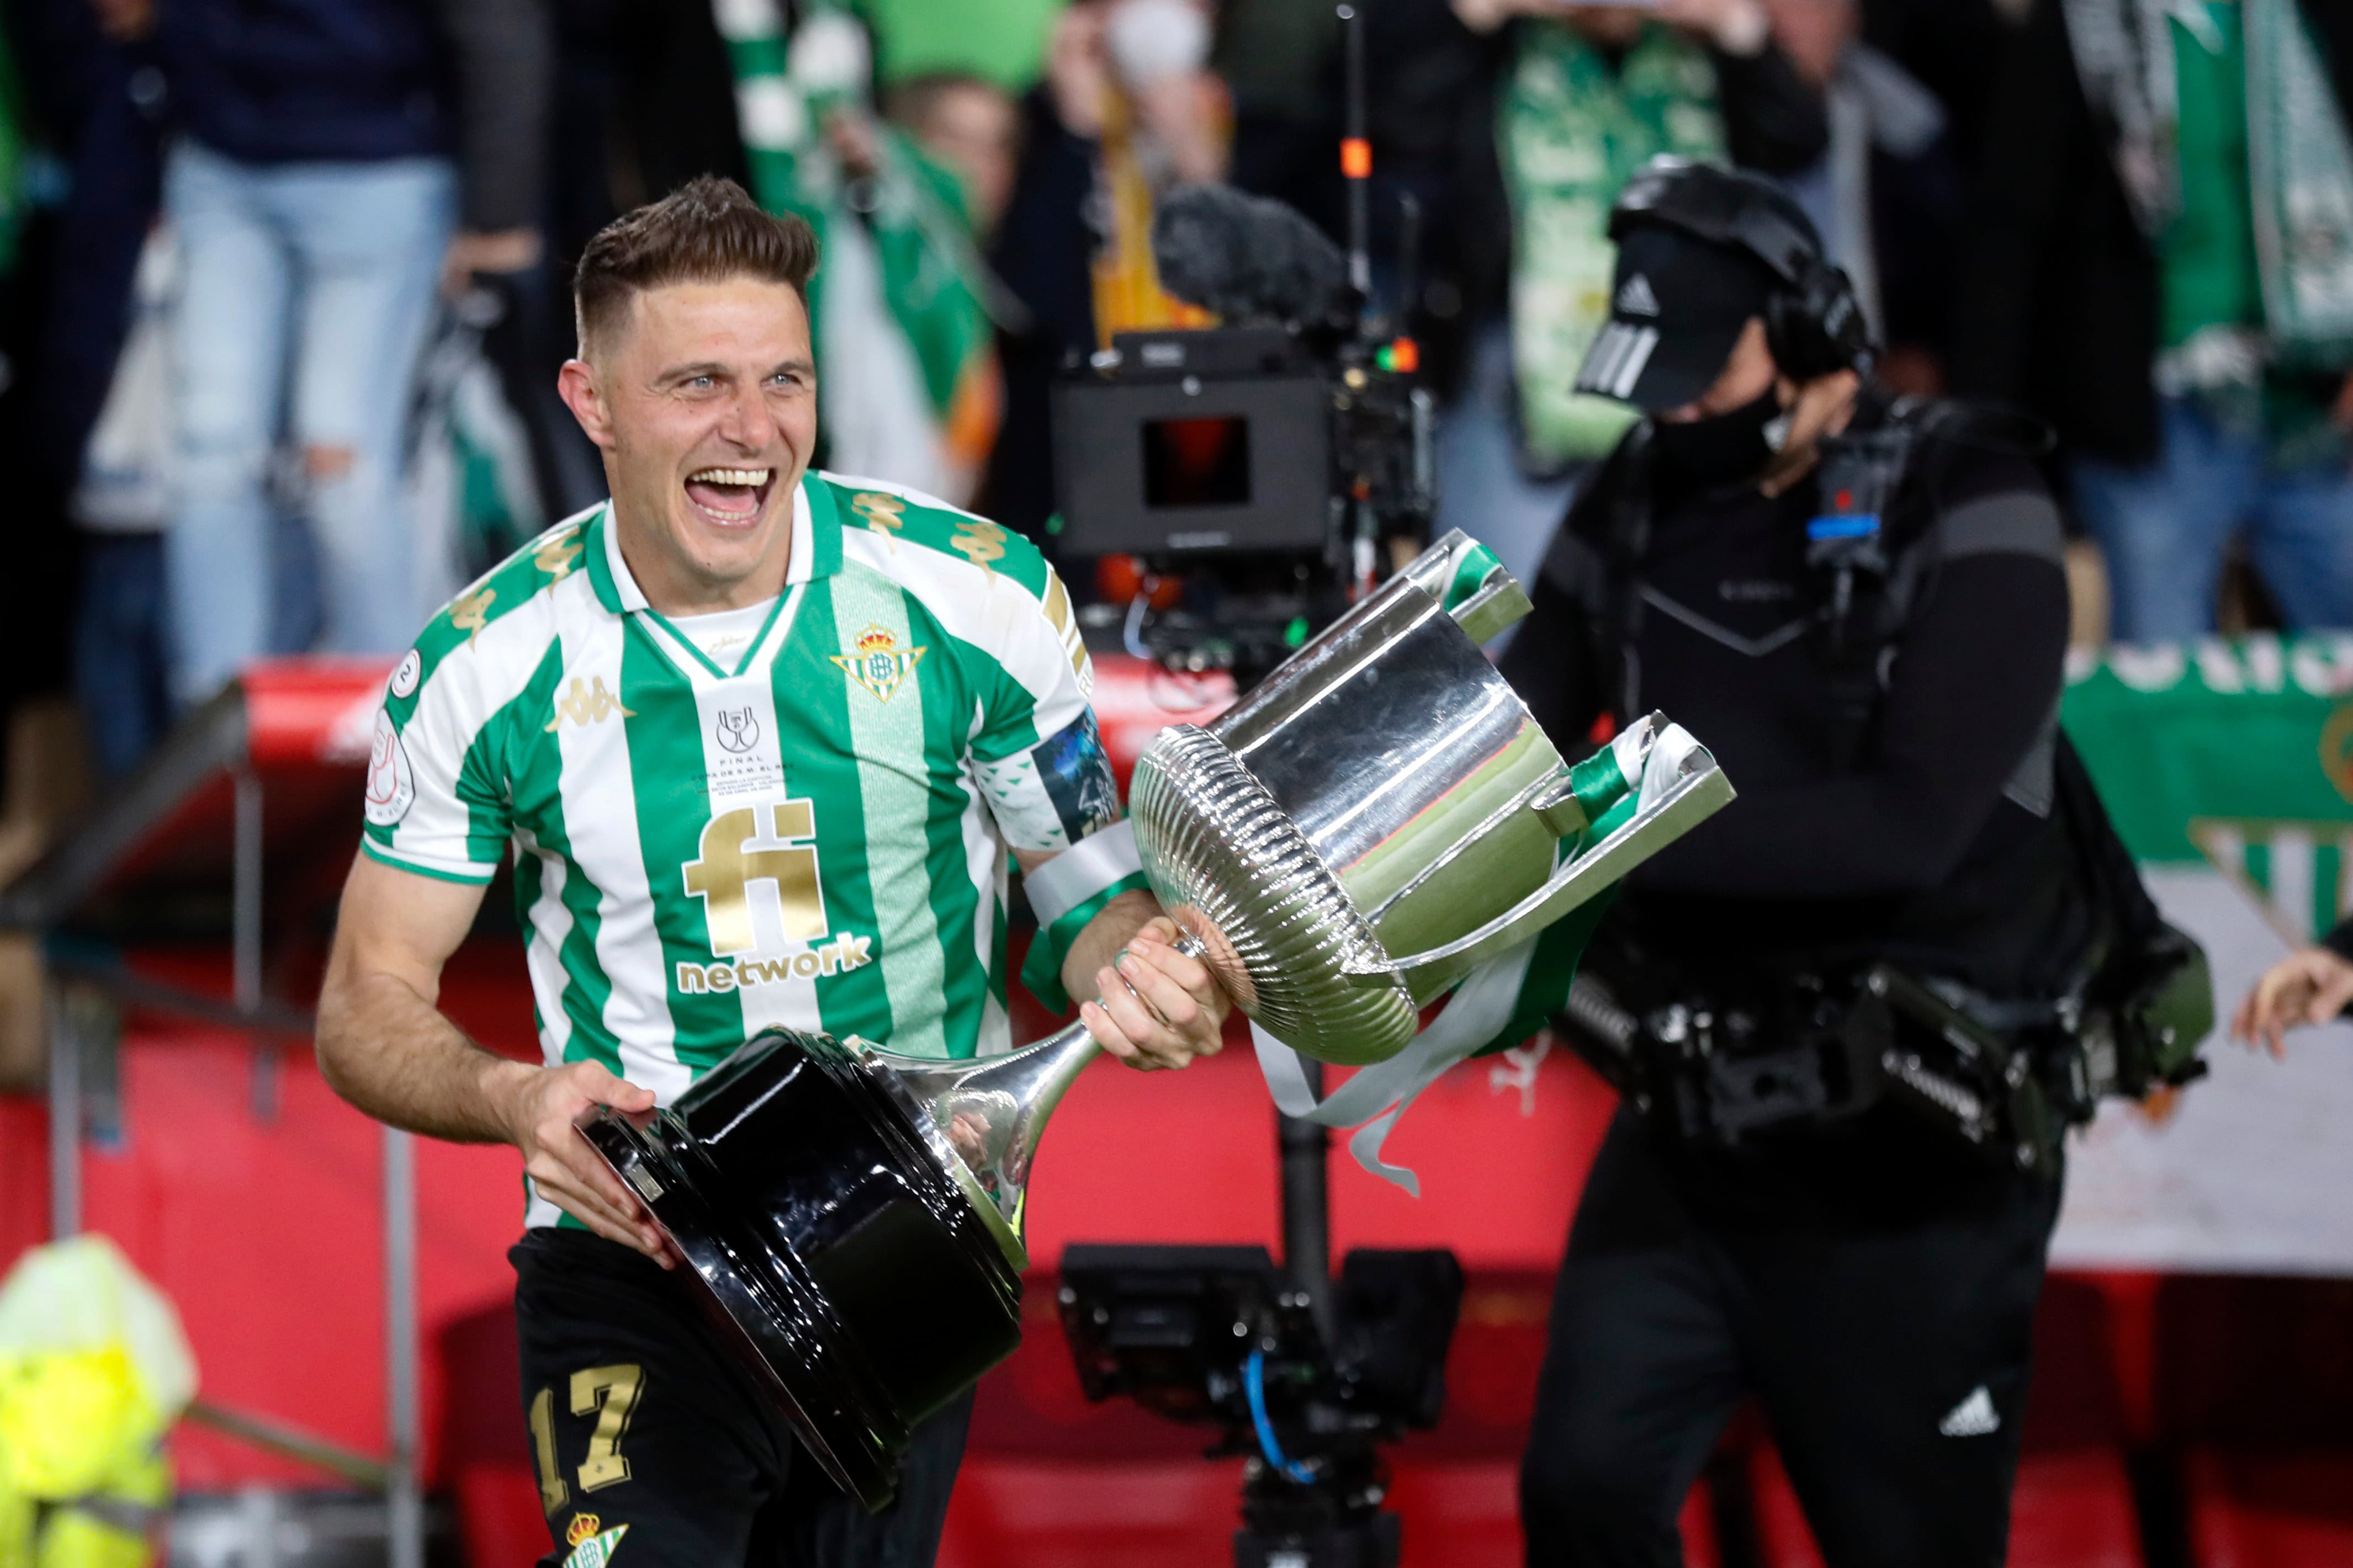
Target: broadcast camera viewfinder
1190, 443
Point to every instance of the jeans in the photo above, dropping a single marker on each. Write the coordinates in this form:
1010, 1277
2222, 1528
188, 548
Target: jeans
307, 291
2163, 528
118, 653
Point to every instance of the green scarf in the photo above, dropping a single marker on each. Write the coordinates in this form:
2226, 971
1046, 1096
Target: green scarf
2299, 156
921, 240
2300, 166
1570, 133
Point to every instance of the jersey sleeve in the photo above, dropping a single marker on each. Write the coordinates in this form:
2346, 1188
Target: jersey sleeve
1038, 753
436, 798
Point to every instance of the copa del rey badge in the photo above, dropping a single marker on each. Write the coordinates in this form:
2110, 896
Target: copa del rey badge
879, 663
390, 787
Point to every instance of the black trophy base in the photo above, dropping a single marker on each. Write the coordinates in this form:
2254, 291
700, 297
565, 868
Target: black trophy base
826, 1244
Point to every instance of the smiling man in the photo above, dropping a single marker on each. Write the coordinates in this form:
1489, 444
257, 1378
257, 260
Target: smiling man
760, 739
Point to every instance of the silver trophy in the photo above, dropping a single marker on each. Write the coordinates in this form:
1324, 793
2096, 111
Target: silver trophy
1366, 826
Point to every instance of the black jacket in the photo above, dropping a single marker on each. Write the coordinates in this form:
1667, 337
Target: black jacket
2058, 304
1936, 844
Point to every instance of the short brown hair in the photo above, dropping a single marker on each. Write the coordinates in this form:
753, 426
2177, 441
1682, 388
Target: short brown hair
706, 230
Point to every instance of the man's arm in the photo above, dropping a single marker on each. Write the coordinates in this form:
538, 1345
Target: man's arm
505, 57
1156, 1007
1773, 120
384, 1047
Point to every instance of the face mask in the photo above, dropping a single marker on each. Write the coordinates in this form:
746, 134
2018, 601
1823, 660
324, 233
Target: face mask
1709, 454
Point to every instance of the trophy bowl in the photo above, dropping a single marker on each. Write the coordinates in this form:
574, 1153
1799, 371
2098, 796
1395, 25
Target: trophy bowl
1382, 813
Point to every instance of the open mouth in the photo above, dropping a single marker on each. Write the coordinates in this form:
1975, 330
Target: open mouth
730, 496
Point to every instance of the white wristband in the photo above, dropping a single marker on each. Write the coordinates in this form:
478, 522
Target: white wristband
1094, 863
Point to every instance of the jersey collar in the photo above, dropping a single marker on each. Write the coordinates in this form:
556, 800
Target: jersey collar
816, 548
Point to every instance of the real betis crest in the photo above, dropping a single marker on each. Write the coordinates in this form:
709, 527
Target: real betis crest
880, 664
591, 1547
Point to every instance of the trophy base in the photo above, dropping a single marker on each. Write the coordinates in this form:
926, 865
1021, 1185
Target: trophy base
849, 1273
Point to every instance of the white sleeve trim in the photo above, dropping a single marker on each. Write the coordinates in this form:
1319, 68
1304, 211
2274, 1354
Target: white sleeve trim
1076, 873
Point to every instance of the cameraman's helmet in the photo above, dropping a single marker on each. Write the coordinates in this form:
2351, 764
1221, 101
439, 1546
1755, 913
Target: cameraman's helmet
1701, 249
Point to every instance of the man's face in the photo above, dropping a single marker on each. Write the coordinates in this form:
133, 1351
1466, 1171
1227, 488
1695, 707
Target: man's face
1747, 372
704, 403
976, 131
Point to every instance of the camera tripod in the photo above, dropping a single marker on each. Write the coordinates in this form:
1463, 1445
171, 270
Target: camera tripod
1328, 1515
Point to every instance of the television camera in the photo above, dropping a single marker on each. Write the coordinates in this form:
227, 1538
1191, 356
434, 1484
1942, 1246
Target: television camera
1267, 459
1217, 1336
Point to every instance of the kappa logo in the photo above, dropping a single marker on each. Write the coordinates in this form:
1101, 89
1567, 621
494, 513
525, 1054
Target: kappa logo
471, 613
879, 663
588, 703
555, 558
980, 541
591, 1547
736, 730
1636, 298
885, 514
1972, 1417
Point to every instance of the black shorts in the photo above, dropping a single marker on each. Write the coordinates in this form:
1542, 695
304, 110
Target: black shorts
654, 1448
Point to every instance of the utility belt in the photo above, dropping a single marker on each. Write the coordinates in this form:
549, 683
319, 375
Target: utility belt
2002, 1079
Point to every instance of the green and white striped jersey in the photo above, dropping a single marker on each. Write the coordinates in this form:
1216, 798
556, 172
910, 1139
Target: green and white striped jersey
813, 835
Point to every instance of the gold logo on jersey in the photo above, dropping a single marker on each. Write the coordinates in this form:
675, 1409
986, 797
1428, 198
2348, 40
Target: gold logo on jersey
845, 952
883, 513
556, 557
471, 612
979, 541
878, 663
1057, 616
730, 864
588, 703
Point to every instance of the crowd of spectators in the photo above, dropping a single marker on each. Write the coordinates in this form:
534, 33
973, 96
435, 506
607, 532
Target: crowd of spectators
286, 279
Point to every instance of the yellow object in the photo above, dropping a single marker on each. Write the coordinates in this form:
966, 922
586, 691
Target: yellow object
16, 1528
1127, 293
93, 1371
67, 1417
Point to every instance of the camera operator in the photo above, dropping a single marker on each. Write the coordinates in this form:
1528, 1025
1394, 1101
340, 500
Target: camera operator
1880, 678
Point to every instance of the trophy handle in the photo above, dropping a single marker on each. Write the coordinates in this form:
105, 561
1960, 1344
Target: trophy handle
983, 1117
1700, 794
